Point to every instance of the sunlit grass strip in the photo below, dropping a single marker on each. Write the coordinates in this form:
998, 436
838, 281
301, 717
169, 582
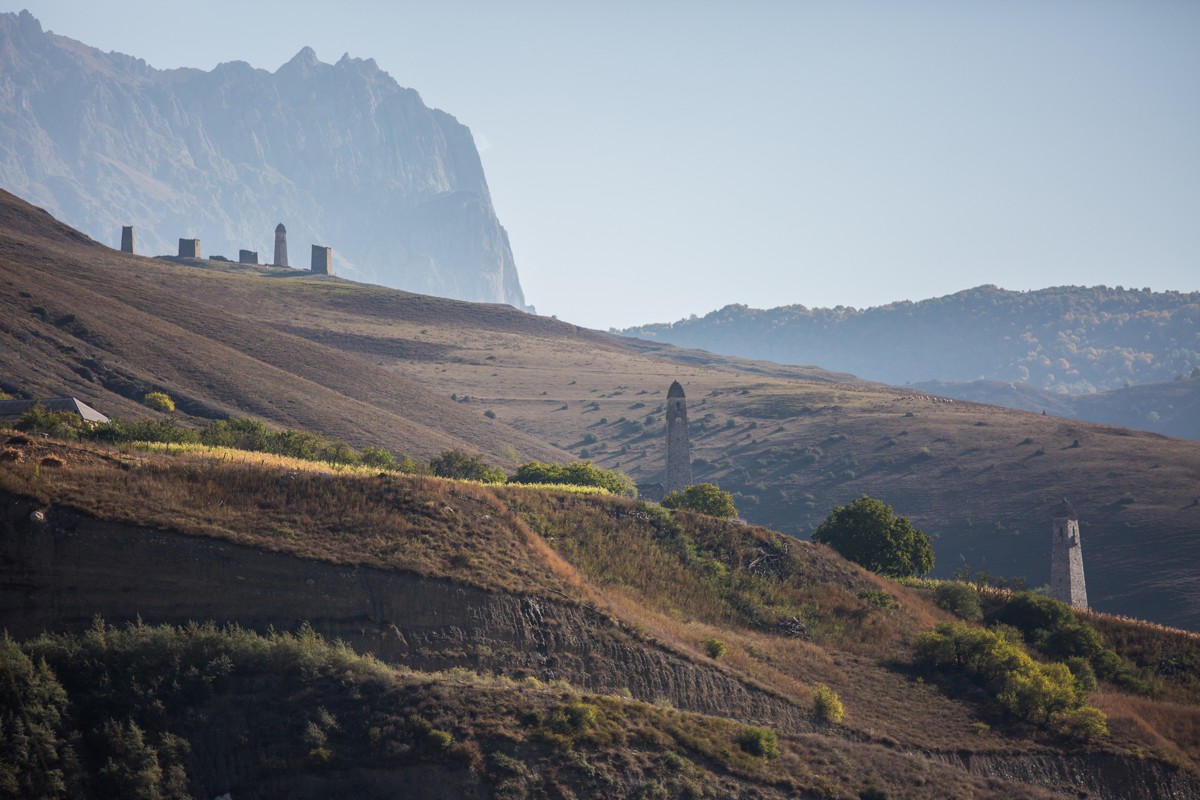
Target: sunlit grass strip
569, 488
233, 455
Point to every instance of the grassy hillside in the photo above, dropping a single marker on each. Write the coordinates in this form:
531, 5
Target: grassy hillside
82, 319
298, 716
417, 374
1171, 408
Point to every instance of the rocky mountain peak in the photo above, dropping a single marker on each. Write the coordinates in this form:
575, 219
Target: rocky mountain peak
341, 153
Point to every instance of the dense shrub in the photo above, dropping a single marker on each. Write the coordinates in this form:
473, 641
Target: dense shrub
580, 473
715, 647
243, 433
827, 706
1047, 695
462, 466
705, 498
60, 424
159, 401
759, 742
1052, 627
959, 599
159, 430
878, 599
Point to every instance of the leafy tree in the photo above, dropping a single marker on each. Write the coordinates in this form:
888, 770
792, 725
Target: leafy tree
868, 532
462, 466
705, 498
32, 707
580, 473
373, 456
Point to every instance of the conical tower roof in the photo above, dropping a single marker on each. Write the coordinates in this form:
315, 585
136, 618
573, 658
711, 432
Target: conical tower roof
675, 391
1065, 510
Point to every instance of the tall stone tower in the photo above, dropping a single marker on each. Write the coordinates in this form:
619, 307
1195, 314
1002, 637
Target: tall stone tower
127, 239
679, 451
1066, 559
280, 245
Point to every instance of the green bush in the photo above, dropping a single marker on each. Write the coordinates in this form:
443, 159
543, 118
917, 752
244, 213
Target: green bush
959, 599
704, 498
60, 424
827, 706
760, 742
579, 473
159, 401
715, 648
428, 736
876, 598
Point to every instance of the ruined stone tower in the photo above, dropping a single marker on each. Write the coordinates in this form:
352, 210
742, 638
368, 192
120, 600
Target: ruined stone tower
127, 239
280, 246
189, 248
1066, 559
322, 260
679, 451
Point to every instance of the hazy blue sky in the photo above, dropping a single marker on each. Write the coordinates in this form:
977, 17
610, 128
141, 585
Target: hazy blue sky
655, 159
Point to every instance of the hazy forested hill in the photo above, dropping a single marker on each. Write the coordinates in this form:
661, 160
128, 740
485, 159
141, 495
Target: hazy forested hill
1065, 339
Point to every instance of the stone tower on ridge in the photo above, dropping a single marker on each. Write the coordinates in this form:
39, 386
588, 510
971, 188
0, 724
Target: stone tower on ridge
322, 260
127, 239
1066, 559
679, 451
280, 246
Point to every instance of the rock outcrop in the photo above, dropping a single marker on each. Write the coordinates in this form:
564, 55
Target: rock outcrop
340, 153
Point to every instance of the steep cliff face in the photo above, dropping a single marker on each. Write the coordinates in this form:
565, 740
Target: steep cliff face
341, 154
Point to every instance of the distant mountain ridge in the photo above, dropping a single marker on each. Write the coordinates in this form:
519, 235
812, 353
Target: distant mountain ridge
1068, 339
1171, 408
341, 154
